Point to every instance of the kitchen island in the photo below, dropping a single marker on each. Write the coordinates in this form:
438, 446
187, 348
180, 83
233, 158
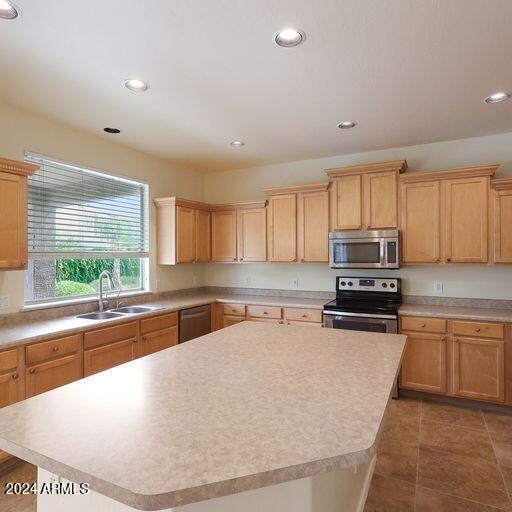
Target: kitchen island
257, 416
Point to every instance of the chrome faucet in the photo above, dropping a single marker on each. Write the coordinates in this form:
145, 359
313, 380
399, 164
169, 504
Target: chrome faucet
101, 300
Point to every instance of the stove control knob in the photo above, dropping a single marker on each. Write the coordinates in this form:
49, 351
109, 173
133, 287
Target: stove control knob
392, 285
343, 283
384, 285
350, 283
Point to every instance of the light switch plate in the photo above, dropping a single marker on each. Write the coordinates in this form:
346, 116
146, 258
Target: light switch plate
295, 283
438, 287
4, 302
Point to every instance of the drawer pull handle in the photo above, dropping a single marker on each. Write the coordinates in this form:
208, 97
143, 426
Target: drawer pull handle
477, 329
233, 310
265, 312
144, 338
32, 370
15, 376
423, 325
443, 338
55, 349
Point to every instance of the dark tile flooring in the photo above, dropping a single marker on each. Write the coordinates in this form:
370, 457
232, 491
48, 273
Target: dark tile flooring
435, 457
431, 458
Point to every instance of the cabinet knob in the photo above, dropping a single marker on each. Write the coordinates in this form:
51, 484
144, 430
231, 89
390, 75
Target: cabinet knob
241, 259
304, 315
423, 325
144, 338
443, 338
448, 259
32, 370
55, 349
477, 329
15, 376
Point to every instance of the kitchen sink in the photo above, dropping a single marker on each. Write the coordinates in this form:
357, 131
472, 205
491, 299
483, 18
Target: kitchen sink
100, 315
134, 309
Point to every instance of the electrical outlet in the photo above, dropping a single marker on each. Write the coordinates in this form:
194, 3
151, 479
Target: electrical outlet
438, 287
247, 280
4, 302
295, 283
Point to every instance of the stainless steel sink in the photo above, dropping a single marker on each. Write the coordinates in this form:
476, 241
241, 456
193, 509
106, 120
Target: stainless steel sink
130, 310
100, 315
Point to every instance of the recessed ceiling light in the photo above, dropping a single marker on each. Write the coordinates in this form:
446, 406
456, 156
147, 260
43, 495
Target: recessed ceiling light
497, 97
111, 130
345, 125
7, 10
289, 37
237, 143
136, 85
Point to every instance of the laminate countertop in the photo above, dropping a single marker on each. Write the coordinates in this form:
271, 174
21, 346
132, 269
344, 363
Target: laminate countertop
23, 333
456, 312
249, 406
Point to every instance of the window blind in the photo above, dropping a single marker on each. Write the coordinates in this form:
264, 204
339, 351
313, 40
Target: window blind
75, 212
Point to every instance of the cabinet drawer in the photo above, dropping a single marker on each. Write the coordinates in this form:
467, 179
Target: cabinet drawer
264, 311
158, 323
303, 315
420, 323
159, 340
8, 359
480, 329
53, 374
105, 357
234, 309
109, 335
48, 349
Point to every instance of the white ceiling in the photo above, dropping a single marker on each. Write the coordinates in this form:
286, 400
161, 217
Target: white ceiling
408, 71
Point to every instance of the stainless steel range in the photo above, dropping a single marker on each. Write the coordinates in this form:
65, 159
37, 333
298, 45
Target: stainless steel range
365, 304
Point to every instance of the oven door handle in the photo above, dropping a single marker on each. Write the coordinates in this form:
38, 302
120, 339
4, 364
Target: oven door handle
362, 315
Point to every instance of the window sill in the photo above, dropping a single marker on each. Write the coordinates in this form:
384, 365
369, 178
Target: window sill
74, 301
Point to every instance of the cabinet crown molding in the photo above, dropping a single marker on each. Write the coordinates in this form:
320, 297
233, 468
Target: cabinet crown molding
462, 172
248, 205
16, 167
502, 184
311, 187
393, 165
197, 205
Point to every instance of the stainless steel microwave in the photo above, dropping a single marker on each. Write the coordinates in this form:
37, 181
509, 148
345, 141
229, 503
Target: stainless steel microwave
364, 249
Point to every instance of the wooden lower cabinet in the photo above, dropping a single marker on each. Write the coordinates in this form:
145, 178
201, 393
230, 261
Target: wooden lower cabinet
107, 356
479, 368
231, 320
52, 374
159, 340
424, 364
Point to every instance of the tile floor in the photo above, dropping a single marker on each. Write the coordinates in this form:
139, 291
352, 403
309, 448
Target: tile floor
440, 458
431, 458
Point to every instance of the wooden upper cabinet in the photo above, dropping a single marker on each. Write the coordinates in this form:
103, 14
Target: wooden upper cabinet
313, 225
224, 246
13, 213
365, 196
252, 234
203, 238
502, 220
185, 235
282, 228
421, 228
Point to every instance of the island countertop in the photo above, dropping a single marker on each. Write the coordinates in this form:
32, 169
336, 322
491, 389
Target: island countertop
245, 407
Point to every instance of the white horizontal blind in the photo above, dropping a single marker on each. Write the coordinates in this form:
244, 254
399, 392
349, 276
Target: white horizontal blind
79, 213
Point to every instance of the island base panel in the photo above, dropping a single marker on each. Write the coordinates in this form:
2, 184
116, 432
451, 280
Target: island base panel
342, 489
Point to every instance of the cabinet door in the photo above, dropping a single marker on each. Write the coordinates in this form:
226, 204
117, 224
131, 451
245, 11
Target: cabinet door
420, 222
348, 202
253, 234
313, 226
282, 225
185, 235
13, 221
478, 368
381, 205
231, 320
202, 236
105, 357
424, 364
9, 388
466, 219
503, 226
46, 376
224, 236
159, 340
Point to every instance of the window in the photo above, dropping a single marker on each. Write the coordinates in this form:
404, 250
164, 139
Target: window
81, 222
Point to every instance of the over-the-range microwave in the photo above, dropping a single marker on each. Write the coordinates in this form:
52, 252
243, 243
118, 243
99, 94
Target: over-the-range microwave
364, 249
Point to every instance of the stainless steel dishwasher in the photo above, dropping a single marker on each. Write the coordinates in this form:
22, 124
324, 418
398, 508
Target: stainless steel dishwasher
195, 322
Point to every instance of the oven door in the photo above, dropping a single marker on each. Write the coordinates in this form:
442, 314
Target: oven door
357, 253
361, 322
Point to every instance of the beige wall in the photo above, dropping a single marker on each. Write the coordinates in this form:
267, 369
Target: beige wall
458, 281
22, 131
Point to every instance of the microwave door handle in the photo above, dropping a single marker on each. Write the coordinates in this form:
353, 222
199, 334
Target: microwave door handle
383, 254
